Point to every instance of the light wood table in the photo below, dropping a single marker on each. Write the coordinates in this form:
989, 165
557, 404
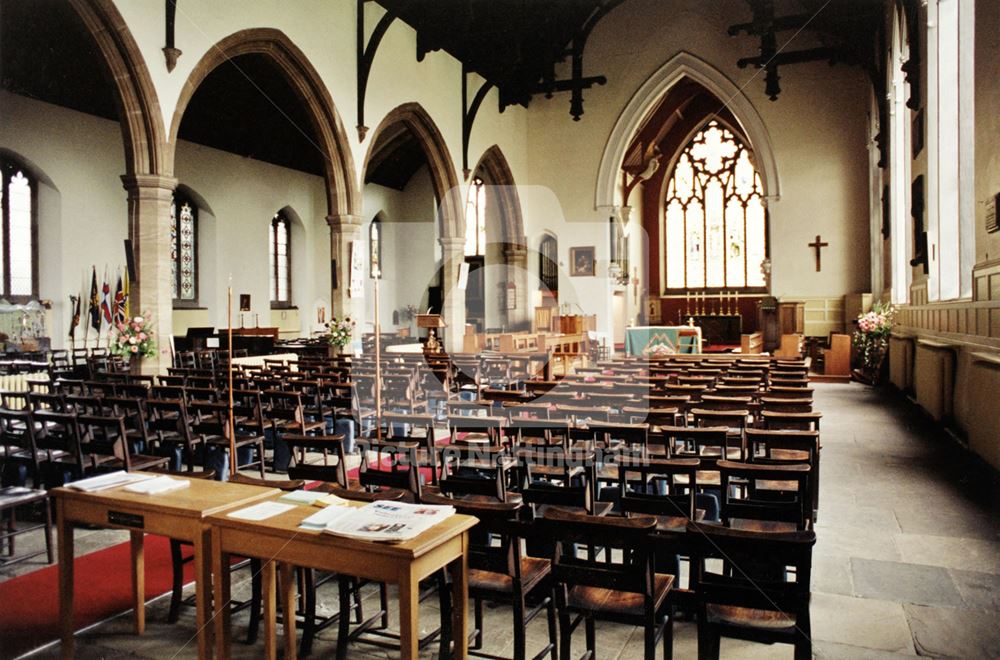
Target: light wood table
281, 545
179, 514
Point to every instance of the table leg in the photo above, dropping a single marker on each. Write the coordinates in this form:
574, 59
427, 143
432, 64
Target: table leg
64, 532
270, 618
287, 572
221, 577
409, 614
459, 570
203, 591
138, 580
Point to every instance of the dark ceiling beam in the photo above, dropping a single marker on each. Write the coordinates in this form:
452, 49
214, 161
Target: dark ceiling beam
365, 57
170, 52
469, 112
779, 24
792, 57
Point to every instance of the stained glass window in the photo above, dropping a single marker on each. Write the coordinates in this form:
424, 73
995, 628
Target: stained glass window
18, 280
184, 249
715, 228
281, 260
475, 219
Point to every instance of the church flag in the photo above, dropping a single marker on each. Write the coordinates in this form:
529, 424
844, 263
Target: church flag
106, 299
126, 306
118, 304
74, 303
95, 302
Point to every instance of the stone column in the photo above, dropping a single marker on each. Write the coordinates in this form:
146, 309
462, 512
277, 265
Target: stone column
345, 230
453, 307
515, 258
149, 199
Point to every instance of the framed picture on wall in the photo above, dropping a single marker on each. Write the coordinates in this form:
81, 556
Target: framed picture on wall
582, 262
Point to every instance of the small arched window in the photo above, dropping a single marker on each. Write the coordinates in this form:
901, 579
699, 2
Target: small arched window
184, 249
715, 227
475, 219
281, 261
18, 233
548, 264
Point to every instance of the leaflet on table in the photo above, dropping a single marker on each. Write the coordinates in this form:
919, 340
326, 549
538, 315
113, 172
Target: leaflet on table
301, 496
388, 521
158, 485
261, 511
109, 480
318, 521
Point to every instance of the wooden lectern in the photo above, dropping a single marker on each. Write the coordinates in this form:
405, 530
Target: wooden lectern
432, 322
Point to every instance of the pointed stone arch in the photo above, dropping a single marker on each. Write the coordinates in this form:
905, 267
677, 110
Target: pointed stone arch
138, 108
343, 198
439, 163
683, 65
495, 170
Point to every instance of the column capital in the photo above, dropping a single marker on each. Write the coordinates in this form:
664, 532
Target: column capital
452, 243
343, 222
515, 251
135, 183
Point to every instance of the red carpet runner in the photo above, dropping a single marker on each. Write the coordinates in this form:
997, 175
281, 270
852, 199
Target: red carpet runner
29, 604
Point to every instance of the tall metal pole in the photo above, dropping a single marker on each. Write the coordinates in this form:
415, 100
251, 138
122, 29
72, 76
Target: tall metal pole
233, 459
378, 365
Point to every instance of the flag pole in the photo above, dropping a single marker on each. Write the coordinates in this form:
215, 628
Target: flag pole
232, 423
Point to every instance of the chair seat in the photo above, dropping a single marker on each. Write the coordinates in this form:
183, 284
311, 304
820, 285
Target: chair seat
533, 570
790, 455
776, 485
750, 525
619, 603
748, 617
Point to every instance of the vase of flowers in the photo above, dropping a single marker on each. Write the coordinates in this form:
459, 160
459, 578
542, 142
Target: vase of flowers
871, 340
339, 333
133, 340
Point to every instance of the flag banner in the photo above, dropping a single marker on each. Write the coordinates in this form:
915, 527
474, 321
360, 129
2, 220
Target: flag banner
106, 300
95, 301
74, 307
118, 304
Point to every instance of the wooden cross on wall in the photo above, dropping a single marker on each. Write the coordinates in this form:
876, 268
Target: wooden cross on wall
818, 245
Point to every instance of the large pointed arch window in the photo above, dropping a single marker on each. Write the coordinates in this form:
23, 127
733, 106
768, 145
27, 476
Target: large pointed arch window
714, 221
280, 261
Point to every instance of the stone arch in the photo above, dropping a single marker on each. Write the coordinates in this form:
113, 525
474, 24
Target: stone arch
439, 163
138, 108
494, 169
342, 193
649, 93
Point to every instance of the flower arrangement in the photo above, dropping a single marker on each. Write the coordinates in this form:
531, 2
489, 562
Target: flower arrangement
340, 331
133, 338
872, 337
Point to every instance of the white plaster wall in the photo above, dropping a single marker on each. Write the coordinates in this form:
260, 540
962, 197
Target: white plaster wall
84, 223
817, 129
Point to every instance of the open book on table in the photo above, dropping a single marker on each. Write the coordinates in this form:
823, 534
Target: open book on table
379, 521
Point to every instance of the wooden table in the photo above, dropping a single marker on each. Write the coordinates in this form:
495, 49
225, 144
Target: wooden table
282, 546
180, 514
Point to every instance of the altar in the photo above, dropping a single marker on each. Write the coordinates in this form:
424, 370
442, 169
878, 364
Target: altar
650, 340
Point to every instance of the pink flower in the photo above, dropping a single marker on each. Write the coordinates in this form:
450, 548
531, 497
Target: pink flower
142, 336
135, 349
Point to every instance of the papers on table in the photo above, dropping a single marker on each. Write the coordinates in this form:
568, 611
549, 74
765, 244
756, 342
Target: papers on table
318, 521
330, 499
261, 511
387, 521
157, 485
109, 480
301, 497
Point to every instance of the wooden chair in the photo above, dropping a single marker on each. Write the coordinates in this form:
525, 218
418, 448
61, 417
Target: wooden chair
751, 597
106, 435
210, 421
499, 571
766, 498
629, 591
170, 427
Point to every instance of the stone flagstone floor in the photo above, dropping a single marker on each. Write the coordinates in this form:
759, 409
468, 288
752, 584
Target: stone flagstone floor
907, 560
